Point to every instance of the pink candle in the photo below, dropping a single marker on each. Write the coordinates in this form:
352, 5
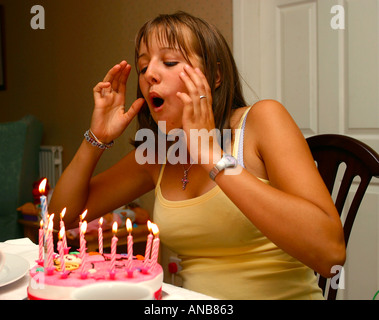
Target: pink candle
100, 232
50, 247
83, 229
155, 250
83, 250
83, 273
61, 225
148, 245
40, 242
129, 228
61, 250
113, 247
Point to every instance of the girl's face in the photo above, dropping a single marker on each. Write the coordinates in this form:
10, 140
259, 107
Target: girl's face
159, 69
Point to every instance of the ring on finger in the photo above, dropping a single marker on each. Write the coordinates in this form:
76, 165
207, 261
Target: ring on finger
203, 97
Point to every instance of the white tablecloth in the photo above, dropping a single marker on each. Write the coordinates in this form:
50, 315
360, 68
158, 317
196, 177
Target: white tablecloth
28, 250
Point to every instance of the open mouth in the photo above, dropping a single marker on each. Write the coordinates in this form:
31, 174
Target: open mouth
157, 102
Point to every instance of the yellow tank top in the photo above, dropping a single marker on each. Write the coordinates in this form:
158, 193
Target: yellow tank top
223, 254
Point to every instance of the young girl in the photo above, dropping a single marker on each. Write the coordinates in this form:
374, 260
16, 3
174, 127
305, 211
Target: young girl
256, 229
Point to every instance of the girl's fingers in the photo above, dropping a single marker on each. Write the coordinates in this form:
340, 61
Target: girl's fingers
199, 78
100, 88
114, 73
117, 78
114, 82
192, 90
123, 79
208, 92
111, 73
199, 90
188, 111
134, 109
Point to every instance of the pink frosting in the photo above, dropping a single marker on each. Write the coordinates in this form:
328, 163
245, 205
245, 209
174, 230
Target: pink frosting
97, 267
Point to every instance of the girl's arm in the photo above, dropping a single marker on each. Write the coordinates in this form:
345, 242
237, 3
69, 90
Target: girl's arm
296, 211
76, 190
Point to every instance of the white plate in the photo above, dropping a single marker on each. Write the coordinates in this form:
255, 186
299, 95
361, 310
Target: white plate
15, 267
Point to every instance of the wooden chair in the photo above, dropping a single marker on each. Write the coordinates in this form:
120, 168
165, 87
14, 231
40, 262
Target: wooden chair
329, 151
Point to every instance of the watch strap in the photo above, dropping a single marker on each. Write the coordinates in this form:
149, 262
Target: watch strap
227, 161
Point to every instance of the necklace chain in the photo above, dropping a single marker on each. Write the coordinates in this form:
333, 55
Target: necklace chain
185, 180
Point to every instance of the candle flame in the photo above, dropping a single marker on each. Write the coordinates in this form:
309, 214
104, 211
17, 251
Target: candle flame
155, 229
101, 221
42, 186
83, 215
83, 227
51, 217
61, 233
63, 213
129, 226
114, 227
51, 225
41, 223
149, 225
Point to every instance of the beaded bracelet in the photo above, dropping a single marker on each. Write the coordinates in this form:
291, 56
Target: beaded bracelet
91, 138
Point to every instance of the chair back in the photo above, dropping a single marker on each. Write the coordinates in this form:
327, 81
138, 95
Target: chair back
19, 150
329, 151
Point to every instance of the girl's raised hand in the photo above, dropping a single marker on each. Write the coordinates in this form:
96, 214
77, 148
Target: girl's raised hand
198, 115
109, 118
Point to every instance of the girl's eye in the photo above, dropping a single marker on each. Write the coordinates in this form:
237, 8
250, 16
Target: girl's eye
143, 70
167, 63
171, 63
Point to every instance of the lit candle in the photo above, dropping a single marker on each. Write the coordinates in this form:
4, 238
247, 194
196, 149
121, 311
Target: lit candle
83, 229
82, 216
61, 251
50, 247
148, 245
43, 199
113, 250
129, 228
100, 232
40, 243
61, 225
155, 250
83, 249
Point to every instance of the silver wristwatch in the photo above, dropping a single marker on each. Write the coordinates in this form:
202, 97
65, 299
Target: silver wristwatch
227, 161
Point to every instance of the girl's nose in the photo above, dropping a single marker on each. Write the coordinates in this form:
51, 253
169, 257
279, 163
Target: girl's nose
152, 75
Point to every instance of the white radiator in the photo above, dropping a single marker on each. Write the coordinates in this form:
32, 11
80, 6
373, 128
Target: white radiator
50, 163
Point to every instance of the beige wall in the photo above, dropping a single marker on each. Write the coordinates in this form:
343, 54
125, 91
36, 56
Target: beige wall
51, 72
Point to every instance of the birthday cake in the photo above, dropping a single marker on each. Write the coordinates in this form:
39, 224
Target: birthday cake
58, 285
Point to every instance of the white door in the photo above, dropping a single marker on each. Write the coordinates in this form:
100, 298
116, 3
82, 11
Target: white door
321, 60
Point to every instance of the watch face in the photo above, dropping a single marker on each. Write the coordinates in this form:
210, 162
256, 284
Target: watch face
230, 161
227, 161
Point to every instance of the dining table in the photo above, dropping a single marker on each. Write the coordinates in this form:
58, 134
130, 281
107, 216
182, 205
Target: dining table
19, 255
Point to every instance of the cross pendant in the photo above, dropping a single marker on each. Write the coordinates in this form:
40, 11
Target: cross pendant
185, 180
